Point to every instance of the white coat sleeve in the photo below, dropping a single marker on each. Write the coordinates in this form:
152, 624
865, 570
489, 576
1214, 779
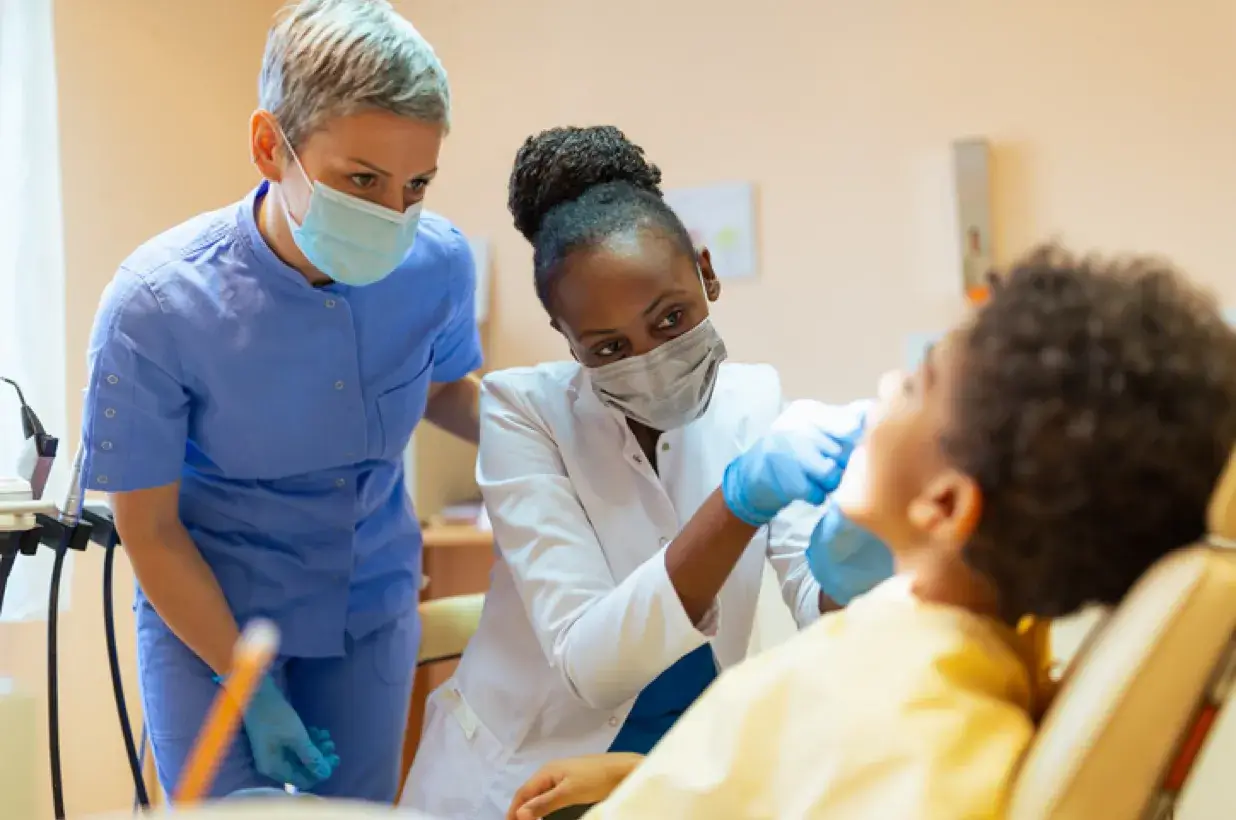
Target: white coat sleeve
789, 533
607, 640
788, 536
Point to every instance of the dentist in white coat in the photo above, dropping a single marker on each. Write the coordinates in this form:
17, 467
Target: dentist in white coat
626, 579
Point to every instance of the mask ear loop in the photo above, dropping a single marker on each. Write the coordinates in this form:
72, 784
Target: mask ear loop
304, 174
295, 157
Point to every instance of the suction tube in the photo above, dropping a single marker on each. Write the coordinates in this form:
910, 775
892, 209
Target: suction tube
113, 661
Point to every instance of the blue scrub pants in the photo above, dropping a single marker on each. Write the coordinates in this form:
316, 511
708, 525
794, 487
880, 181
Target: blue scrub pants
361, 698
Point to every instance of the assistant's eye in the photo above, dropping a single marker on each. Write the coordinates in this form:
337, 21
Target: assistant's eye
417, 186
363, 181
671, 320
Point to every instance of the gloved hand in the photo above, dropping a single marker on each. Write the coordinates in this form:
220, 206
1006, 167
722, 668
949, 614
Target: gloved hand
846, 559
283, 749
800, 459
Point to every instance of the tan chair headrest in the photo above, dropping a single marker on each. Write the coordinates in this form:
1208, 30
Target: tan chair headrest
1221, 514
447, 624
1130, 695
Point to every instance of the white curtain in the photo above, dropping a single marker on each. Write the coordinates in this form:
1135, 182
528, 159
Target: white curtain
32, 294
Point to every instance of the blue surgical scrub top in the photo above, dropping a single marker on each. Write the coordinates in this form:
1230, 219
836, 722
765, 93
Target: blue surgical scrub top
283, 409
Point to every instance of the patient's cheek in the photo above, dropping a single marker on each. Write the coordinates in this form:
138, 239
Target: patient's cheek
853, 496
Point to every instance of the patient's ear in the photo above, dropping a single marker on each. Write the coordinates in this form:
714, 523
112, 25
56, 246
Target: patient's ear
948, 508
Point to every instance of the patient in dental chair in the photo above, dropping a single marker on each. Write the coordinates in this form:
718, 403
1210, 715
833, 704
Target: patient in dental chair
1045, 454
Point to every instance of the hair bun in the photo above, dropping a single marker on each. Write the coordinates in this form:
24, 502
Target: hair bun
560, 164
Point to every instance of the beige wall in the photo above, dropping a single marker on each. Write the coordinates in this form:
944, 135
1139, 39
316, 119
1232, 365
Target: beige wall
154, 103
1113, 122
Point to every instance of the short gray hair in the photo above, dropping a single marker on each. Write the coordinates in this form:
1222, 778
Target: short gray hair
331, 58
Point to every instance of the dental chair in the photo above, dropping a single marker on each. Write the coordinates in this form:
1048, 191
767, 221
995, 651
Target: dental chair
447, 624
1138, 702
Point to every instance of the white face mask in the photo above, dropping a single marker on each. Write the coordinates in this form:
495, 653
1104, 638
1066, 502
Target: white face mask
667, 387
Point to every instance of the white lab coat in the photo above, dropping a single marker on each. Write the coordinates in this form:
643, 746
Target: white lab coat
580, 615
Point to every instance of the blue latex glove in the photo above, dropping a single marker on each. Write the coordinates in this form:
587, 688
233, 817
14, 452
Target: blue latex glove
801, 459
846, 559
283, 748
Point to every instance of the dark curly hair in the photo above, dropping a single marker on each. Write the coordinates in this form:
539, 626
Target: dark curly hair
1096, 409
574, 188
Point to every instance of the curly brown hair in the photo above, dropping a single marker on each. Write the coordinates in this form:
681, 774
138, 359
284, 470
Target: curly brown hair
1096, 409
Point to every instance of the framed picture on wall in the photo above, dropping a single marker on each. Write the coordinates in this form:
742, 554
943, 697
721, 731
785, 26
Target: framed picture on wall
720, 217
972, 184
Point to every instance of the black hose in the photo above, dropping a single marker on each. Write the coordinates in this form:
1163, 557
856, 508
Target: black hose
53, 682
113, 661
141, 757
7, 560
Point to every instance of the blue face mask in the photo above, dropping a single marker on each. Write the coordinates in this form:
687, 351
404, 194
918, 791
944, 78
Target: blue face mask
352, 241
846, 559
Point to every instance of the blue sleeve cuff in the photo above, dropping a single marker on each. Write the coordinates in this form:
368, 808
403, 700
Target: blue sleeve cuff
846, 559
731, 493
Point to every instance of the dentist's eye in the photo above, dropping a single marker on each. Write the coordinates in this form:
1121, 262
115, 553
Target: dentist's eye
363, 181
671, 320
607, 350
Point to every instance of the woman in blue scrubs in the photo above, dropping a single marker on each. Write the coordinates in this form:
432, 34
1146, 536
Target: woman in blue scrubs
255, 376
